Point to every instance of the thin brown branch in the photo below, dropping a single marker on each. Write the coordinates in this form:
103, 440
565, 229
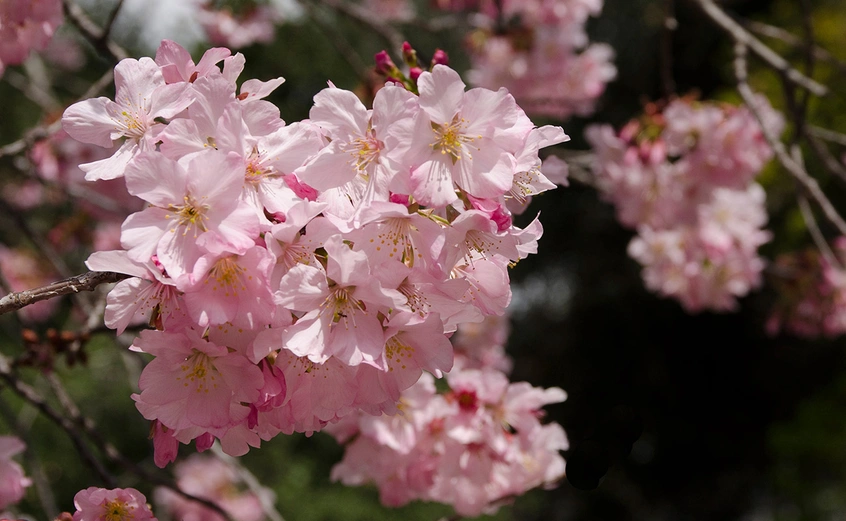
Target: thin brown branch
96, 36
816, 233
44, 131
110, 22
31, 396
32, 90
827, 135
830, 162
85, 282
33, 464
668, 84
333, 35
789, 38
252, 484
808, 183
773, 59
364, 16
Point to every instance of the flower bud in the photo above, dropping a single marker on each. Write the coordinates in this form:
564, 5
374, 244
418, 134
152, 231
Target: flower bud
409, 55
440, 57
384, 64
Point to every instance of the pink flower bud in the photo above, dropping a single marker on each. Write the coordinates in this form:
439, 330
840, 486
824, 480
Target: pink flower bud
440, 57
384, 64
414, 73
409, 55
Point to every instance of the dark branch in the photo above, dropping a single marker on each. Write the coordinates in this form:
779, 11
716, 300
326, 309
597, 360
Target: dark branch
85, 282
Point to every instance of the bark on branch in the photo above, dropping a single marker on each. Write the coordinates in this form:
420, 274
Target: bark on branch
85, 282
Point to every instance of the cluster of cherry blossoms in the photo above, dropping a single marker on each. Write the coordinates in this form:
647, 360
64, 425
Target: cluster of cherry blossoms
812, 293
475, 446
540, 52
252, 23
295, 274
26, 25
13, 481
684, 179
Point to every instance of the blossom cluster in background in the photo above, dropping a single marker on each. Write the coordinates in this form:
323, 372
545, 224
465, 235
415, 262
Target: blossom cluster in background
13, 481
683, 177
540, 52
253, 23
812, 293
212, 479
26, 25
298, 273
473, 446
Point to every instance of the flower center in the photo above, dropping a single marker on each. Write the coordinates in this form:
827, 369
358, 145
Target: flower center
199, 371
364, 150
397, 353
450, 139
228, 276
117, 510
190, 214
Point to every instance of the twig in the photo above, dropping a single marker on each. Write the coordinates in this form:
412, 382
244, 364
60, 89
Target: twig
372, 20
790, 39
668, 84
340, 43
31, 395
107, 28
95, 36
32, 90
828, 135
816, 234
85, 282
808, 183
45, 131
44, 248
36, 469
252, 483
742, 36
820, 149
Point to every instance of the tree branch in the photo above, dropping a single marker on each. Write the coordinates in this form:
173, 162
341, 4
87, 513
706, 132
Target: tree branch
31, 396
741, 35
808, 183
366, 17
793, 40
85, 282
97, 37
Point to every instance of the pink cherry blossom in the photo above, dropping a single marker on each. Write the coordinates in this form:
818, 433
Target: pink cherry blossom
141, 98
26, 25
193, 382
97, 504
13, 482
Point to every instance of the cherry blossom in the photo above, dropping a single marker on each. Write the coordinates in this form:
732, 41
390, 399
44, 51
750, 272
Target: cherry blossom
97, 504
13, 482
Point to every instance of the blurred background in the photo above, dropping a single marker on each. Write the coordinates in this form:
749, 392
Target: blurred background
730, 423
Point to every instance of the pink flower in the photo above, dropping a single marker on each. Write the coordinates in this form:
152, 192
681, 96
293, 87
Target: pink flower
26, 25
13, 482
141, 98
342, 309
463, 139
193, 382
99, 504
195, 209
